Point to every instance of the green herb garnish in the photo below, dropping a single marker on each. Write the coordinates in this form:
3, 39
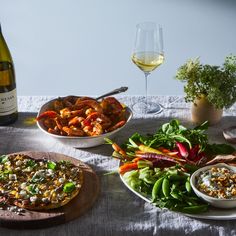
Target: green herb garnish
33, 189
3, 159
30, 163
69, 187
51, 165
63, 162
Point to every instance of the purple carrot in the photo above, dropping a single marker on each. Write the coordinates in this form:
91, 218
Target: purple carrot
182, 149
201, 159
150, 155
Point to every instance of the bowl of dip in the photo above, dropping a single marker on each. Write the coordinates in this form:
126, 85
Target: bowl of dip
216, 184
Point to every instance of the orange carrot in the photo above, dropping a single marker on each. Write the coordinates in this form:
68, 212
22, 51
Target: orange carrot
118, 149
137, 159
164, 150
168, 152
127, 167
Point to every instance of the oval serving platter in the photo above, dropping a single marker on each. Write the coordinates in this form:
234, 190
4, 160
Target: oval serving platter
213, 213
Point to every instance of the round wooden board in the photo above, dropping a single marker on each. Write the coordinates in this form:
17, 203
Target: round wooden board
75, 208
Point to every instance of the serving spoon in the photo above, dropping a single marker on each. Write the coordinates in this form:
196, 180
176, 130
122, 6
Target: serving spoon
115, 91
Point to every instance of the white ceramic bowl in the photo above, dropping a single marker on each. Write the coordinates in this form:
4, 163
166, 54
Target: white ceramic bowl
81, 142
216, 202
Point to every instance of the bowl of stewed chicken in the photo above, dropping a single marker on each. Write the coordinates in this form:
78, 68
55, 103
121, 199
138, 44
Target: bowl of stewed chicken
83, 122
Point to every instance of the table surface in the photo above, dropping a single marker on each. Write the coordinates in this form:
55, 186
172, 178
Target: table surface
117, 211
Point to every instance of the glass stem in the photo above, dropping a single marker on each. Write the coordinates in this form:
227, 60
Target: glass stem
146, 87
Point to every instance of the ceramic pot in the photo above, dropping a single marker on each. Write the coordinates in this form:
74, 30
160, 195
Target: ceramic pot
202, 110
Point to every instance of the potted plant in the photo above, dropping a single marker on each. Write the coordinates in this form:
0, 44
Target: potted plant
209, 88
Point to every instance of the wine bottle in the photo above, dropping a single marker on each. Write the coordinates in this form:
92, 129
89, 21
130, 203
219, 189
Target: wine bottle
8, 97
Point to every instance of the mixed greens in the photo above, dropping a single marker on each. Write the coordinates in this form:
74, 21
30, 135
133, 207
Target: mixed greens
159, 165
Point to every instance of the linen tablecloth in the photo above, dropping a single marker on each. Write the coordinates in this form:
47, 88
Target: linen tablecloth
117, 211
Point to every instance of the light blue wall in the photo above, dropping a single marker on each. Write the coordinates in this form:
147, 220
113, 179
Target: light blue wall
63, 47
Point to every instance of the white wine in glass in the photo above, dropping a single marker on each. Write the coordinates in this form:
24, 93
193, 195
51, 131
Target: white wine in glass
148, 54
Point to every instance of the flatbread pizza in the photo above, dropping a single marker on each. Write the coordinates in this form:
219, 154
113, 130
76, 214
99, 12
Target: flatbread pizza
38, 184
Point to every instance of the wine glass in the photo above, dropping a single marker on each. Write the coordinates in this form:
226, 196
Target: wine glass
148, 55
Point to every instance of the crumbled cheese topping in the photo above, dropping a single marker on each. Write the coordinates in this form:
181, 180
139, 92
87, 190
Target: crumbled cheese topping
218, 182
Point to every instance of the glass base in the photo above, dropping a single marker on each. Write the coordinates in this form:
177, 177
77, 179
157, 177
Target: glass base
149, 108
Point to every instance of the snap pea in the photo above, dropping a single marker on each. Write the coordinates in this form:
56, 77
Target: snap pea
190, 202
176, 196
172, 172
166, 187
156, 189
150, 180
158, 174
195, 209
134, 184
188, 186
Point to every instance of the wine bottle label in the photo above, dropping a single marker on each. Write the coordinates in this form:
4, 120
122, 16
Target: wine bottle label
8, 103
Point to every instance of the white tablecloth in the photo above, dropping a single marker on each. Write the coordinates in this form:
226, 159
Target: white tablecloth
117, 211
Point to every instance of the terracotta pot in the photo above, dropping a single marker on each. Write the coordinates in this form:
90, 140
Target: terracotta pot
203, 110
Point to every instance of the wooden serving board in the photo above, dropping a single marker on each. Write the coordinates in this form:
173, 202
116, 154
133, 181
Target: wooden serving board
75, 208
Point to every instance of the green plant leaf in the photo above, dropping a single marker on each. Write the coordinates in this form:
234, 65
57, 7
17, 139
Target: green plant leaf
217, 84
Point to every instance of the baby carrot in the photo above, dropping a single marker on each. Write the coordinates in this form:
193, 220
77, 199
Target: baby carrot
144, 148
137, 159
164, 150
127, 167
